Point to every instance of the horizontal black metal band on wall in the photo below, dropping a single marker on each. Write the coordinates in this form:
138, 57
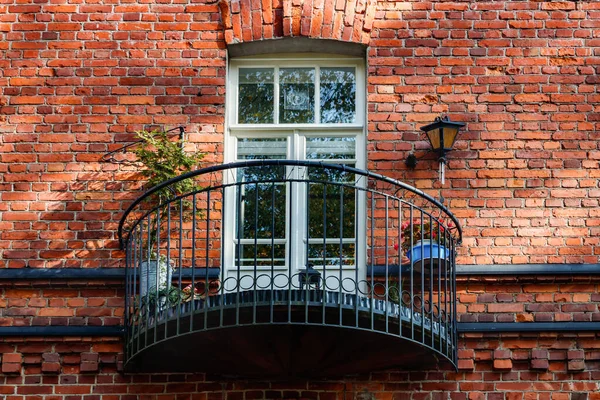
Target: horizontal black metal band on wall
529, 269
500, 270
463, 327
90, 273
378, 270
54, 331
506, 327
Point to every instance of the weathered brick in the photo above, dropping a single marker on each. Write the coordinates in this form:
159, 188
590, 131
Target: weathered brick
503, 364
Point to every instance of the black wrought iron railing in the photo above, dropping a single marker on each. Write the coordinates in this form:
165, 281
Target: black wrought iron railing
280, 242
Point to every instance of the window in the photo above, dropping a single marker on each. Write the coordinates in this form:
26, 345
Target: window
301, 109
308, 95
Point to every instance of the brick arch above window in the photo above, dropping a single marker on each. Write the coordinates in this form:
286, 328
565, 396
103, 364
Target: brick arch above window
342, 20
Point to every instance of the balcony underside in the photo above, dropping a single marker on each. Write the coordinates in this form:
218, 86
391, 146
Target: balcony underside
233, 335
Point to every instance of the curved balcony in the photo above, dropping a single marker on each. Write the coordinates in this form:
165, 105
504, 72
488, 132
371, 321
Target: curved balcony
275, 268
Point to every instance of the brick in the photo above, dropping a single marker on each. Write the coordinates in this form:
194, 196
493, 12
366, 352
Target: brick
543, 364
505, 308
502, 354
539, 354
88, 367
11, 368
12, 358
466, 364
503, 364
575, 355
135, 81
576, 365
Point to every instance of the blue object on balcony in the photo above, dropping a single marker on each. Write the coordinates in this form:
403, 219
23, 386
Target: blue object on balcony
428, 249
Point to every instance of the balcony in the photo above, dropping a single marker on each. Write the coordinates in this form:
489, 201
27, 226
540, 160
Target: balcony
277, 268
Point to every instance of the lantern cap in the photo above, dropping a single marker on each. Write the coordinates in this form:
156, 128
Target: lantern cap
442, 122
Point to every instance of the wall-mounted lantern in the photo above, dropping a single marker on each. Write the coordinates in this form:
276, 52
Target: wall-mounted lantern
442, 135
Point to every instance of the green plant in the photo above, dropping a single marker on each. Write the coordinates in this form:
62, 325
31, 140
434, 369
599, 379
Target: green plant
157, 300
164, 159
171, 295
395, 290
424, 229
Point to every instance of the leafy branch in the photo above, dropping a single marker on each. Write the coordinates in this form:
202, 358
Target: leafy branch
164, 159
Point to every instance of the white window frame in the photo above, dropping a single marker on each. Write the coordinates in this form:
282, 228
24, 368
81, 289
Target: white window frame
296, 144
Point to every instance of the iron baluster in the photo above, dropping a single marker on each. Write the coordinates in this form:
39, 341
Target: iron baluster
207, 261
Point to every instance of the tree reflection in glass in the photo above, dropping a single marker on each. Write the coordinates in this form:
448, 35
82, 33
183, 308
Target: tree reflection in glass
338, 95
331, 202
262, 196
256, 95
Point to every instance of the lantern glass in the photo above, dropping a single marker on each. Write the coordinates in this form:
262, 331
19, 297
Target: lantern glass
434, 138
442, 134
450, 133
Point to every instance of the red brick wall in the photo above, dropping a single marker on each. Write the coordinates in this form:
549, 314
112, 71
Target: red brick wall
549, 299
523, 75
77, 79
56, 303
544, 367
480, 299
247, 20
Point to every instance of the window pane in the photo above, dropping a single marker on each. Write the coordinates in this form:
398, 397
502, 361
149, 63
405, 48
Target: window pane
256, 91
261, 149
263, 205
330, 207
263, 193
330, 148
338, 95
296, 95
331, 254
266, 254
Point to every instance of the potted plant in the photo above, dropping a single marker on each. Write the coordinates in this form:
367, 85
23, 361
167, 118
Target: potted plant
156, 301
162, 158
425, 239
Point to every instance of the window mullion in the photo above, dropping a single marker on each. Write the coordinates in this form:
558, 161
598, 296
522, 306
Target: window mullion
317, 94
235, 100
276, 96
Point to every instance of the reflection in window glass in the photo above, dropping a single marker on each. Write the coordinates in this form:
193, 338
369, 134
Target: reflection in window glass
331, 208
266, 255
330, 148
296, 95
331, 205
256, 95
338, 95
261, 149
260, 203
330, 255
262, 196
331, 221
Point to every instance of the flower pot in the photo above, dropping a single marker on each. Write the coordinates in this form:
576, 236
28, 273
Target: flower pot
428, 249
152, 271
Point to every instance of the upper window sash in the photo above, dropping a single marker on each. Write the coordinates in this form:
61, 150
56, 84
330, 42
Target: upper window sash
297, 93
